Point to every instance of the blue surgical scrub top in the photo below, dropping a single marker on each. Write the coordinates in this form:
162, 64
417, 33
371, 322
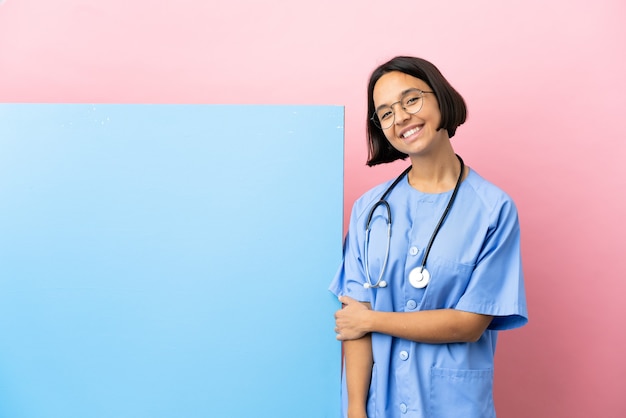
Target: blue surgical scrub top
475, 266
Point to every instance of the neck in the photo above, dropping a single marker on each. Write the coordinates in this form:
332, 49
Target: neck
435, 175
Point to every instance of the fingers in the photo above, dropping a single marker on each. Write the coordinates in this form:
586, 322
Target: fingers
339, 315
346, 300
340, 336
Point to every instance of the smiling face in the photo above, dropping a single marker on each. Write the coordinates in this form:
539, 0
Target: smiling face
413, 134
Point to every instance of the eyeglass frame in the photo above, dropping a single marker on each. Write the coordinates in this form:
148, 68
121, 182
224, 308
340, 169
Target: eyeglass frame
374, 117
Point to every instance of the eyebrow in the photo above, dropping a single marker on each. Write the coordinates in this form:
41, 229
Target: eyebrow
402, 94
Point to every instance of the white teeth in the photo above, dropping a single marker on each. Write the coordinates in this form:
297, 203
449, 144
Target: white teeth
410, 132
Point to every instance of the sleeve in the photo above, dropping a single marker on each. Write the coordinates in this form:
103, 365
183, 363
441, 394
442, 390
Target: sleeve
350, 276
497, 284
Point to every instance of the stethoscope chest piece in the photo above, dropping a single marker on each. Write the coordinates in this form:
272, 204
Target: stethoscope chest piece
419, 277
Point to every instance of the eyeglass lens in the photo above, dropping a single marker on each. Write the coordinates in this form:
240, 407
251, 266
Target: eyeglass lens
411, 102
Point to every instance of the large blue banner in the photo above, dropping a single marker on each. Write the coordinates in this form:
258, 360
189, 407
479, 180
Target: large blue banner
169, 260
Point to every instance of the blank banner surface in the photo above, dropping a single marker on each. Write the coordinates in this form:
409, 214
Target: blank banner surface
169, 260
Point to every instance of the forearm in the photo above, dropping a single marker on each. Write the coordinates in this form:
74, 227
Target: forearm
358, 364
431, 326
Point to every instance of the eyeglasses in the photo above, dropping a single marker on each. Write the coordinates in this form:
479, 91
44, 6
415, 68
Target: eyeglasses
411, 102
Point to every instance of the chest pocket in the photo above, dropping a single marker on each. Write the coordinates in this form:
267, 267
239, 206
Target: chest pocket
448, 282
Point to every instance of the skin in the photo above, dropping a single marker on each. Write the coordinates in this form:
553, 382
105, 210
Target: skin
435, 169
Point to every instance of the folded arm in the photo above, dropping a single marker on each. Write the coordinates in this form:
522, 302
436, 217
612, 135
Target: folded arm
432, 326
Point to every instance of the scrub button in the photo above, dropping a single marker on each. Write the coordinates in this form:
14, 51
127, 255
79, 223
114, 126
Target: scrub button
403, 408
411, 304
404, 355
413, 250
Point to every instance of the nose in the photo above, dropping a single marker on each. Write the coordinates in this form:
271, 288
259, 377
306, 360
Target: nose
400, 115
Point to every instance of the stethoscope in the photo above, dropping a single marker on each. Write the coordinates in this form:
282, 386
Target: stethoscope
419, 277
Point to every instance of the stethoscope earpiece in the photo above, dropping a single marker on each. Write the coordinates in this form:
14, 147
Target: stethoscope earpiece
381, 283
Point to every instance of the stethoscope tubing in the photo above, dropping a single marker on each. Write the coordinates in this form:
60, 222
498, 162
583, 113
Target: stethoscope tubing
383, 202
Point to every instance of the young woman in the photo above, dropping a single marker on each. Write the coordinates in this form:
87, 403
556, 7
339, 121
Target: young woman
431, 269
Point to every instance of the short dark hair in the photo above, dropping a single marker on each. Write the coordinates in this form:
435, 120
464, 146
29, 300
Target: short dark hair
451, 105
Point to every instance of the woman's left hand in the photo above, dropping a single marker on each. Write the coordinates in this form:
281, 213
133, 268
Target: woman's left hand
350, 322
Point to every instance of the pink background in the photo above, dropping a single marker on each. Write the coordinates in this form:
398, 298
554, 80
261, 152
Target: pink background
546, 88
